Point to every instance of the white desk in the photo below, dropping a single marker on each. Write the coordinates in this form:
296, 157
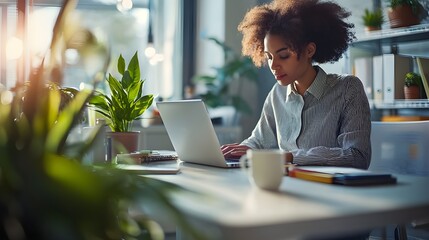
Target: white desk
228, 208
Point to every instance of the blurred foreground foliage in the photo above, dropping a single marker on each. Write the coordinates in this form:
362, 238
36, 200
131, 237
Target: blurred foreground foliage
45, 190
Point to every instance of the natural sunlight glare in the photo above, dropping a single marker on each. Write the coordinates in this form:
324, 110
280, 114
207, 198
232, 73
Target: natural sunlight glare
41, 22
72, 56
141, 15
124, 5
14, 48
6, 97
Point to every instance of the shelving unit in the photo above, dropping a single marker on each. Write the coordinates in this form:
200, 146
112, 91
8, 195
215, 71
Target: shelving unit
388, 37
410, 41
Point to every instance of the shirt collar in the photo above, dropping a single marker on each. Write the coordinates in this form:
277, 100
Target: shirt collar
316, 88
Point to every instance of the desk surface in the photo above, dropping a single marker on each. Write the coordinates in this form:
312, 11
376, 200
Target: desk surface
227, 207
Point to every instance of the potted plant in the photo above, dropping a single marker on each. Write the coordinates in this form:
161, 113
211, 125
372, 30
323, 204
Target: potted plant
373, 20
412, 85
46, 193
224, 86
403, 13
125, 104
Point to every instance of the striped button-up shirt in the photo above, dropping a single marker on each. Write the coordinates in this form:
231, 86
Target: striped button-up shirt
330, 125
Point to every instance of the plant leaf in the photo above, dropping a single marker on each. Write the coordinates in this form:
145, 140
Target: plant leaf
205, 78
100, 100
141, 105
65, 171
121, 64
66, 119
134, 90
54, 102
126, 80
114, 85
134, 68
241, 105
126, 102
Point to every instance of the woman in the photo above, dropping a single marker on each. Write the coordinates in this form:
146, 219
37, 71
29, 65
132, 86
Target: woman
317, 118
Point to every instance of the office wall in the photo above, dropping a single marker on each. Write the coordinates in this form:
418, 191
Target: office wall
220, 19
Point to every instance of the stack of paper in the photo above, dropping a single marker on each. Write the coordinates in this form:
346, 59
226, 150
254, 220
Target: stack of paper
147, 156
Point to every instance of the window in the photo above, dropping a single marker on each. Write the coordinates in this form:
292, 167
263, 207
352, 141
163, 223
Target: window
115, 33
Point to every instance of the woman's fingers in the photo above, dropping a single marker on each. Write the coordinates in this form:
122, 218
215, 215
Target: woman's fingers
228, 147
234, 150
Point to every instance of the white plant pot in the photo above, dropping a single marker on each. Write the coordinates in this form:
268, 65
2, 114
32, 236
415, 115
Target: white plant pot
122, 142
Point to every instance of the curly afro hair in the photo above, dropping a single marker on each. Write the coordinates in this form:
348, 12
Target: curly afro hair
298, 22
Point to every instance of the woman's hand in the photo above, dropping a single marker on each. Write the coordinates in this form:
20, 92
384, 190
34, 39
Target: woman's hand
234, 150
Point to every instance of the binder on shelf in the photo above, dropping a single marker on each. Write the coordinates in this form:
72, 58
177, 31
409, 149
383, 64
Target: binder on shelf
423, 65
394, 69
363, 70
377, 73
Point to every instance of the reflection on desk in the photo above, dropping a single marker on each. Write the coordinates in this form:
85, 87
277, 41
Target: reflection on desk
227, 207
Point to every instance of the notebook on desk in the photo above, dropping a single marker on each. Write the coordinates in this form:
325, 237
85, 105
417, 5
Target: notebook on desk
192, 133
341, 175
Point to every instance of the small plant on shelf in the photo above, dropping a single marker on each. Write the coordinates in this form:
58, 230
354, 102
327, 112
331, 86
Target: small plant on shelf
397, 3
373, 19
412, 79
412, 85
403, 13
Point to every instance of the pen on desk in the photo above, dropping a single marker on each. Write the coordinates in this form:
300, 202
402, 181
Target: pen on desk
146, 152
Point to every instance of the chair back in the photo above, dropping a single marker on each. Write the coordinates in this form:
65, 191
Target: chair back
400, 147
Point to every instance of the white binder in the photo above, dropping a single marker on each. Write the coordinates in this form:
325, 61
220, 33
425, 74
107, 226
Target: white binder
363, 70
377, 72
394, 69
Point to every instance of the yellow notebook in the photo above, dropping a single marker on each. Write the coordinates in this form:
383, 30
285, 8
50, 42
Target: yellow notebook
341, 176
311, 176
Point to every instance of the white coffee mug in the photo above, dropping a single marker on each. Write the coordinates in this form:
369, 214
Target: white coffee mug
265, 167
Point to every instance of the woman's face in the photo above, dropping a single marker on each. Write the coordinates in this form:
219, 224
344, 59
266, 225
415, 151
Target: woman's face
284, 63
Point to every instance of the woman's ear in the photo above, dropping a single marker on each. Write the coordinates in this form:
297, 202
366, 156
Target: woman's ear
311, 49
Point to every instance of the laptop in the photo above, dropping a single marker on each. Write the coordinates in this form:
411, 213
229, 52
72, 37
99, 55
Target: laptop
192, 133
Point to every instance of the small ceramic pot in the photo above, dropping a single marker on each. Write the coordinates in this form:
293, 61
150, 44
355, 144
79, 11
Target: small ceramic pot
412, 92
122, 142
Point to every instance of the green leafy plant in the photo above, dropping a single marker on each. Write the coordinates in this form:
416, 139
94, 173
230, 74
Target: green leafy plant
126, 102
45, 190
234, 71
46, 193
412, 79
373, 18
